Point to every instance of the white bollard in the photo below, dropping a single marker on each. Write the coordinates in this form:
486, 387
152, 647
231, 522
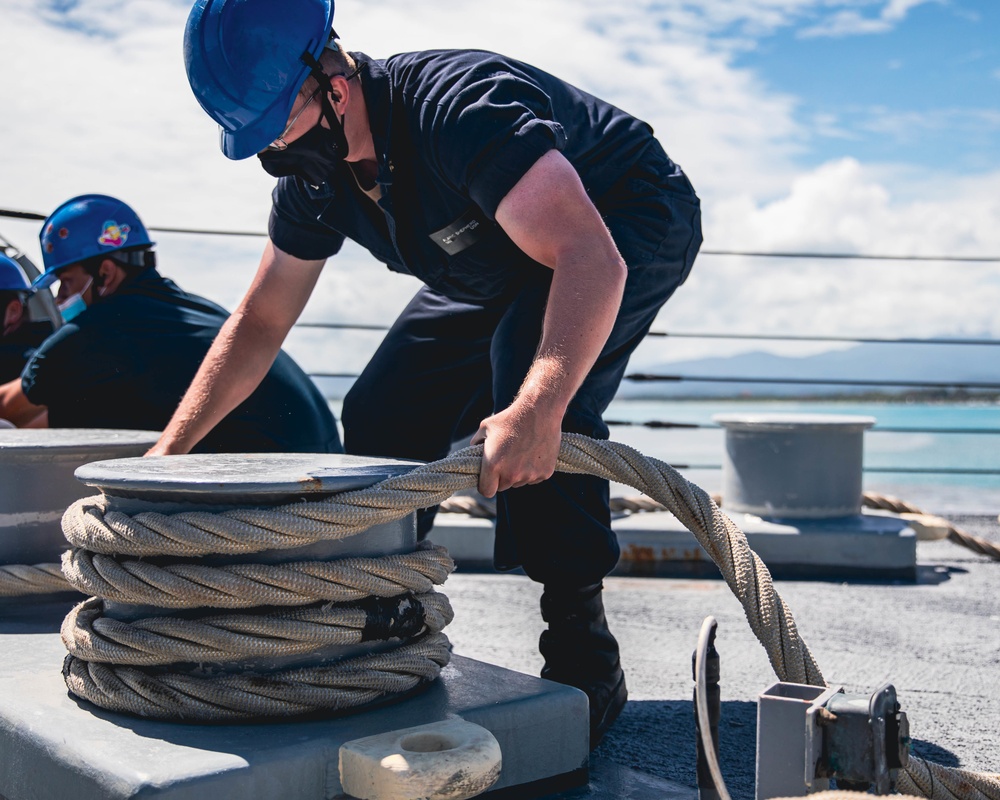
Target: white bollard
449, 760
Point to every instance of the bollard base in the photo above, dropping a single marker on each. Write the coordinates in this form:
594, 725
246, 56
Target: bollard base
858, 547
53, 746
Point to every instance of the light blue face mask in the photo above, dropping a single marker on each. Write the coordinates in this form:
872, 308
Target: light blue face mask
74, 305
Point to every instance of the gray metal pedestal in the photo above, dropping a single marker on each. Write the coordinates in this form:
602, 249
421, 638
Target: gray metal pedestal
53, 746
863, 546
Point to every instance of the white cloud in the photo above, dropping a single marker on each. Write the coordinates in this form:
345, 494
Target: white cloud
845, 207
96, 100
896, 10
849, 22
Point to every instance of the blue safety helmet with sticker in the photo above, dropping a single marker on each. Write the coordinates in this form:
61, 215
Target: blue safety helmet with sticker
87, 226
244, 61
12, 276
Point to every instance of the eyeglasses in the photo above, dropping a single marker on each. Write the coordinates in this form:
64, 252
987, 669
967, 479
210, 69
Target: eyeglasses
280, 143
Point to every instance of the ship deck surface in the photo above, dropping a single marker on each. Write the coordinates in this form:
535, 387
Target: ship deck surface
937, 641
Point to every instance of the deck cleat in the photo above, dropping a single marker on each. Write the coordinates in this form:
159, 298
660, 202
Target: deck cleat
807, 735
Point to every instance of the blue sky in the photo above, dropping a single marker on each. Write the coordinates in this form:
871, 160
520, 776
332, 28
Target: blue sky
925, 90
866, 126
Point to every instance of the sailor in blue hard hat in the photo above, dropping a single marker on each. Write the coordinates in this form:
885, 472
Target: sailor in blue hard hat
19, 334
14, 289
133, 341
547, 226
90, 245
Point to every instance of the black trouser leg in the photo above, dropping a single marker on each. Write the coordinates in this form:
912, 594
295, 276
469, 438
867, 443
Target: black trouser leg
580, 651
427, 385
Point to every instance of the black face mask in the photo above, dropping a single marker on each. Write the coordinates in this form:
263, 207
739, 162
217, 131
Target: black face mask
314, 156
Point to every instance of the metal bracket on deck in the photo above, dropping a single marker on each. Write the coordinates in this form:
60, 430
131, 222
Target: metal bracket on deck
809, 734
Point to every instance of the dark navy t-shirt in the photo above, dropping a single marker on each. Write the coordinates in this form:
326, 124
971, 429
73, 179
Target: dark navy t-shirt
454, 131
128, 359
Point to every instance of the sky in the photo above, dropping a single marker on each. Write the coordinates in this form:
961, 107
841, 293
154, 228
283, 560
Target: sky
849, 126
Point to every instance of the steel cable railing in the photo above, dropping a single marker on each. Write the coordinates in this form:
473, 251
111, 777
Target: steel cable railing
677, 378
34, 216
765, 337
655, 423
644, 377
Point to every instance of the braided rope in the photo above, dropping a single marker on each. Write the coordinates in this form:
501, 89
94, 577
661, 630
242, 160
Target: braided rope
93, 524
17, 580
926, 779
977, 544
91, 636
769, 617
247, 585
478, 507
232, 698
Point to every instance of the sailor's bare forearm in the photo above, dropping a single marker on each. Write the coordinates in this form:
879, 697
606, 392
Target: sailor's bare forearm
583, 304
15, 406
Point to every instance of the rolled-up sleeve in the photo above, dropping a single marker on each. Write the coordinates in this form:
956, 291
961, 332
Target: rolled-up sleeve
293, 225
489, 130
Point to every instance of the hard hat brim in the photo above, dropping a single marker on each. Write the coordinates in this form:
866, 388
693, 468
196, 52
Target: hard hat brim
45, 280
251, 139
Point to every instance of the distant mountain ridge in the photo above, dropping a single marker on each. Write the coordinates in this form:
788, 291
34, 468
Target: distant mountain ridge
867, 362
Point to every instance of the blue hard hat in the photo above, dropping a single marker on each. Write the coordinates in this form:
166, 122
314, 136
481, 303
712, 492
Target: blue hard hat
87, 226
243, 60
11, 275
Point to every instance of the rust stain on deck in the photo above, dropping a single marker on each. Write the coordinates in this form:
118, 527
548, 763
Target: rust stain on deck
641, 554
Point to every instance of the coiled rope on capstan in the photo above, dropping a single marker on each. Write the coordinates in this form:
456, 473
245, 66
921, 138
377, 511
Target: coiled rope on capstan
18, 580
91, 524
138, 666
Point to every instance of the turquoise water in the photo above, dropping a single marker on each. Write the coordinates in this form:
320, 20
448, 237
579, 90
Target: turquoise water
941, 493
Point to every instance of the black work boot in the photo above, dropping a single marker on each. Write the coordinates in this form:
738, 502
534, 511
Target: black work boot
580, 651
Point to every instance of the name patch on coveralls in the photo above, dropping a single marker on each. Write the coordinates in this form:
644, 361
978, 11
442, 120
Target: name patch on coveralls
462, 233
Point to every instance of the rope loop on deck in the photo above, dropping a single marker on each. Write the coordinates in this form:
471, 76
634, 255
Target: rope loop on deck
954, 534
19, 580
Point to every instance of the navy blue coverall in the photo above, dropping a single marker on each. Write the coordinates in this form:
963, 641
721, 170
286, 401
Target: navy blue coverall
127, 360
454, 131
16, 349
